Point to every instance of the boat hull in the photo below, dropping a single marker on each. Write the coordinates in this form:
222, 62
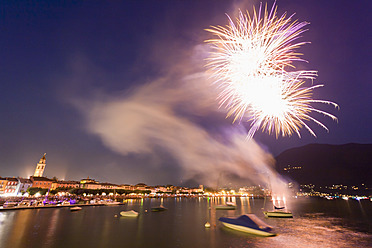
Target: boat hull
248, 230
225, 207
112, 203
75, 209
131, 213
278, 214
158, 209
248, 223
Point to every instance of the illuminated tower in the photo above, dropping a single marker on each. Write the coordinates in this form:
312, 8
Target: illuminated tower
40, 167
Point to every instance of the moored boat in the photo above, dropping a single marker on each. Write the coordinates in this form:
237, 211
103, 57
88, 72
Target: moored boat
111, 203
225, 207
158, 209
10, 204
248, 223
278, 214
65, 203
130, 213
75, 209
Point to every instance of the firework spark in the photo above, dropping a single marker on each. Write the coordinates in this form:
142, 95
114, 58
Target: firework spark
252, 61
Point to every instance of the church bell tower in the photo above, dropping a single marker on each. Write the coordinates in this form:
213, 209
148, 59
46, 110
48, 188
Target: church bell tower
40, 167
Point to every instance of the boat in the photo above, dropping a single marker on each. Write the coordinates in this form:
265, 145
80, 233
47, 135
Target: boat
66, 203
24, 203
230, 203
130, 213
158, 209
111, 203
225, 207
10, 204
75, 209
279, 210
248, 223
278, 214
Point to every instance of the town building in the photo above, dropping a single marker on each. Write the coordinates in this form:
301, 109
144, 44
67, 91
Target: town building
89, 183
92, 185
41, 182
126, 187
141, 186
23, 185
65, 184
11, 186
109, 186
87, 180
3, 182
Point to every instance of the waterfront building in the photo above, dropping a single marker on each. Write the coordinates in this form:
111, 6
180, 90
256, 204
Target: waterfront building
109, 186
185, 190
11, 186
65, 184
3, 182
41, 182
161, 189
92, 185
126, 187
89, 183
87, 180
23, 185
40, 167
141, 186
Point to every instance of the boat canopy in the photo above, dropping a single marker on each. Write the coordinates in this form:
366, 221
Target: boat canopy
248, 220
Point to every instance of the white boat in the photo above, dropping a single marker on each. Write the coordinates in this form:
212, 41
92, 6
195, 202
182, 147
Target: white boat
24, 203
248, 223
130, 213
10, 204
225, 207
110, 203
278, 214
75, 208
66, 203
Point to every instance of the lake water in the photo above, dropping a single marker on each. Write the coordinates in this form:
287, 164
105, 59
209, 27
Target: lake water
317, 223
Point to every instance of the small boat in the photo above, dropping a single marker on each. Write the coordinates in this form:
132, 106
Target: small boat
24, 203
10, 204
75, 209
158, 209
130, 213
278, 214
111, 203
248, 223
278, 207
225, 207
66, 203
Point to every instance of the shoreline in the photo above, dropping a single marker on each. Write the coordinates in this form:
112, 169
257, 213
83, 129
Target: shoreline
59, 206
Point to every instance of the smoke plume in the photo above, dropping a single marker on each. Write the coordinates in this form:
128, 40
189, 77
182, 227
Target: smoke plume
178, 114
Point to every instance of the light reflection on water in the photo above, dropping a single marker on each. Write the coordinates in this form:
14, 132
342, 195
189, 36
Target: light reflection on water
316, 223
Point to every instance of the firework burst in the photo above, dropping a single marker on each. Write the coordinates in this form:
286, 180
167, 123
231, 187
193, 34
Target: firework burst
252, 62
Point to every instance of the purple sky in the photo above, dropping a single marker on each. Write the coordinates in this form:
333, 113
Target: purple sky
113, 89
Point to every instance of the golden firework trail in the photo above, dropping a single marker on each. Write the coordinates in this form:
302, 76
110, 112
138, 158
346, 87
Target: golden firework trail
252, 62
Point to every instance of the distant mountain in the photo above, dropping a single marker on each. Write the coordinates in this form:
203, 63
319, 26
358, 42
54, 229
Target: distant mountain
322, 164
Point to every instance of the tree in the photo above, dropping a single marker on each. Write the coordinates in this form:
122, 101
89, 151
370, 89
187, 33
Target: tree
34, 190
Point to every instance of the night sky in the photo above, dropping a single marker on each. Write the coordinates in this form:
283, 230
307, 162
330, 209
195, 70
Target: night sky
117, 90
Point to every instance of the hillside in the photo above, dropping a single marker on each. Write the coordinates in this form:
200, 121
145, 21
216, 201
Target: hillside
322, 164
